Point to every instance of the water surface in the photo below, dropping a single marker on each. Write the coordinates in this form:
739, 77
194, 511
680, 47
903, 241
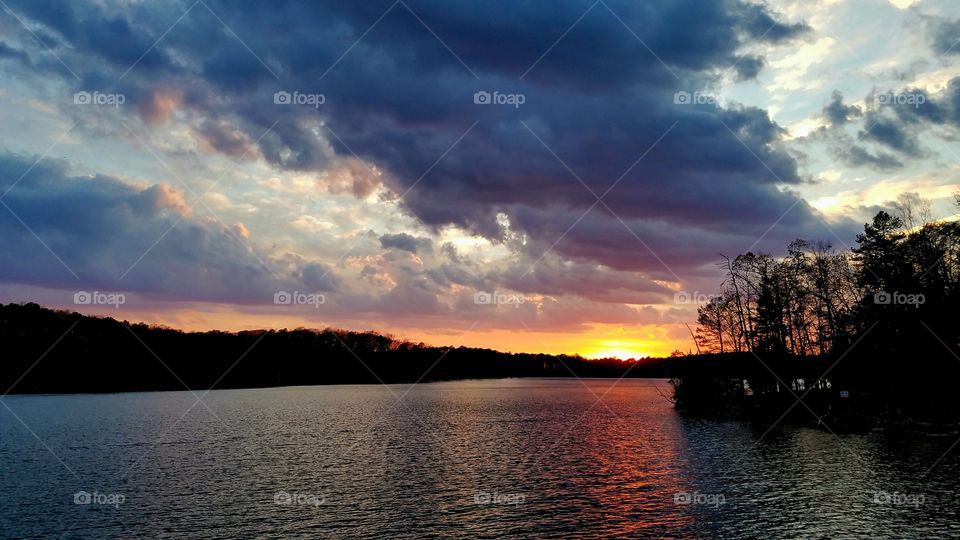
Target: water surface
522, 458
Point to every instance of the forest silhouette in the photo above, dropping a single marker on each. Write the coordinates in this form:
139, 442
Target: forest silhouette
57, 351
871, 333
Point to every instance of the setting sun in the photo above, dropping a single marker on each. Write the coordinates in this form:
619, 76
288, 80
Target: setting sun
616, 349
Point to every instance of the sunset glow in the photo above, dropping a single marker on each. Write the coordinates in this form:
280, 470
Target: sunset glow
438, 216
479, 269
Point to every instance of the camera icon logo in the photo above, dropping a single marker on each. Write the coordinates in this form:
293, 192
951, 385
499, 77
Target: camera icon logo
483, 298
882, 298
682, 297
282, 298
482, 98
282, 497
681, 98
682, 498
82, 298
281, 98
82, 497
82, 98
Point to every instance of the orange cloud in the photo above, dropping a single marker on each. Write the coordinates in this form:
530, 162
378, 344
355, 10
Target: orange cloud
160, 105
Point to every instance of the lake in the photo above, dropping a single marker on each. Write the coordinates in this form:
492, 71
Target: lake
528, 458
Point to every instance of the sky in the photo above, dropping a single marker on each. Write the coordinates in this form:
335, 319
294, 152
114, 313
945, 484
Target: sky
509, 175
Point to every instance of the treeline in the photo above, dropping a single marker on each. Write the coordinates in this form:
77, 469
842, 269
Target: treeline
53, 351
884, 313
902, 276
802, 304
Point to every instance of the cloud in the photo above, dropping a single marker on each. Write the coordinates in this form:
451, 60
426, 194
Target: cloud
761, 25
889, 133
858, 156
319, 277
748, 67
75, 232
8, 52
221, 137
946, 36
406, 242
158, 104
894, 119
599, 117
899, 118
838, 114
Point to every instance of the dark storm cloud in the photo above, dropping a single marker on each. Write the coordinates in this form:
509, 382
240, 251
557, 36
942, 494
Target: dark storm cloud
926, 107
8, 52
941, 108
761, 24
748, 67
891, 134
838, 114
319, 277
946, 37
226, 139
668, 250
406, 242
858, 156
896, 122
599, 98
